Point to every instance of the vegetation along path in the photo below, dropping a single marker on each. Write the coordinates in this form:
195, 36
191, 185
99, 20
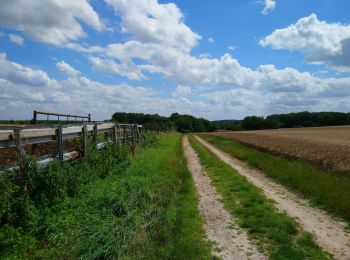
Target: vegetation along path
231, 243
329, 233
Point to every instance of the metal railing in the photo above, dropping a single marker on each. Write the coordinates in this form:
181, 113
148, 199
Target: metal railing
113, 132
60, 116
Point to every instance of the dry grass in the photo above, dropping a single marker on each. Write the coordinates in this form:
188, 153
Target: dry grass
326, 146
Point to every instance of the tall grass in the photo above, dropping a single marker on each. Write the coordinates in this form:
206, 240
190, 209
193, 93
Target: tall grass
278, 235
325, 189
112, 206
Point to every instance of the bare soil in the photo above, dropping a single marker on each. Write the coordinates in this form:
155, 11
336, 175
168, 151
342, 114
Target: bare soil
8, 156
328, 147
229, 242
331, 234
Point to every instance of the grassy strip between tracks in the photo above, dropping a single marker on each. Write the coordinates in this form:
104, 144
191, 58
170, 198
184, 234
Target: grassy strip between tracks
112, 206
324, 189
276, 234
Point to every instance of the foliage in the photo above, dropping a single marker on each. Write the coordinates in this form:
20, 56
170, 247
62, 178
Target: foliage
275, 232
233, 125
300, 119
307, 119
188, 123
258, 123
181, 123
111, 206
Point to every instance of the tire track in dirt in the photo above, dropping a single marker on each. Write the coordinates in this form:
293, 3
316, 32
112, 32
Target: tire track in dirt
330, 234
230, 241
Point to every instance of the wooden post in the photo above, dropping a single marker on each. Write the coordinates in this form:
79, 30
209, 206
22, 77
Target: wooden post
118, 134
137, 132
59, 139
115, 136
34, 117
95, 135
21, 153
124, 135
133, 137
85, 141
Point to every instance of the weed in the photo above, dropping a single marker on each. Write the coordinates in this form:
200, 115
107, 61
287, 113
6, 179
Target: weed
324, 189
274, 231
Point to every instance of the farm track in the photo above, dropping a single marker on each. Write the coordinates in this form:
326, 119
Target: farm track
329, 233
230, 242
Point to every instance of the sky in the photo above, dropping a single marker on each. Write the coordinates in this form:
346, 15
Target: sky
214, 59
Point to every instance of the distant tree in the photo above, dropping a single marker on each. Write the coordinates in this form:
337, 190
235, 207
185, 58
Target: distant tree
181, 123
309, 119
253, 123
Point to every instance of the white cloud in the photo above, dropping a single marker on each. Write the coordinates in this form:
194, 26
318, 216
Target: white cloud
263, 91
67, 69
319, 41
16, 39
129, 70
151, 22
181, 91
270, 5
231, 47
211, 40
50, 21
20, 75
144, 53
157, 41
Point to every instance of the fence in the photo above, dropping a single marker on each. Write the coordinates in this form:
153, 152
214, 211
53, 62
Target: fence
113, 132
59, 115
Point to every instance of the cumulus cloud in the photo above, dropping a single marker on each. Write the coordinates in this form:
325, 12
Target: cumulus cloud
23, 90
151, 22
157, 41
49, 21
129, 70
140, 55
319, 41
16, 39
21, 75
67, 69
181, 91
270, 5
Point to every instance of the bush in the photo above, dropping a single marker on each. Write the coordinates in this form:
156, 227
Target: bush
30, 200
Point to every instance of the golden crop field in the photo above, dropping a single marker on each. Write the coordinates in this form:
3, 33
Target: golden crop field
327, 146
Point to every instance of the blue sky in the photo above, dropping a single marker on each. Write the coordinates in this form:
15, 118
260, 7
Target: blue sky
215, 59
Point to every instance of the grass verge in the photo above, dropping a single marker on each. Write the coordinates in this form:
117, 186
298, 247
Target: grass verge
276, 234
112, 206
324, 189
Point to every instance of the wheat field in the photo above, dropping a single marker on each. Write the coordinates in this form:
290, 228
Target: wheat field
326, 146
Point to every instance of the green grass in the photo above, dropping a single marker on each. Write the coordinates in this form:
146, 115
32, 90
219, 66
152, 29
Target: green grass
275, 233
324, 189
113, 206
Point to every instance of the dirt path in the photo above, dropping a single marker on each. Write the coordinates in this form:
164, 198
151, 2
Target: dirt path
229, 241
329, 233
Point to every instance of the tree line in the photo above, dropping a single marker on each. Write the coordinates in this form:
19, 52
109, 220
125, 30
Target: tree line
290, 120
176, 121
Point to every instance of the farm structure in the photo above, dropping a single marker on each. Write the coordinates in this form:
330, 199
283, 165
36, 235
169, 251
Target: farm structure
61, 141
325, 146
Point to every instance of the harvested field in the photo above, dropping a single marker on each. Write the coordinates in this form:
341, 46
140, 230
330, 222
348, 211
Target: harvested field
326, 146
